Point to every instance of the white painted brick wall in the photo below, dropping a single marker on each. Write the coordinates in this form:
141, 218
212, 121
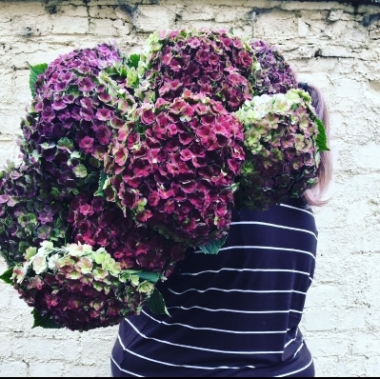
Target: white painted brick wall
342, 319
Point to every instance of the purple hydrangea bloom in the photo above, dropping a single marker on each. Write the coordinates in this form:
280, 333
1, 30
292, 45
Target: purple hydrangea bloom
280, 142
70, 125
212, 63
30, 212
275, 74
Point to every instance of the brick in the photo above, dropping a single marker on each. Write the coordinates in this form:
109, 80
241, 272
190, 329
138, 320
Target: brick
108, 3
327, 346
152, 18
353, 367
108, 28
30, 25
48, 349
303, 28
368, 345
338, 51
34, 52
102, 12
9, 150
94, 350
103, 369
6, 79
13, 369
65, 25
335, 15
326, 367
199, 12
318, 320
228, 14
122, 14
11, 10
276, 25
45, 369
10, 118
71, 10
311, 5
318, 295
375, 34
79, 370
314, 14
372, 367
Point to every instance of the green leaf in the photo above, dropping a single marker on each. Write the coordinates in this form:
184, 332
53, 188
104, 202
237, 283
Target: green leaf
112, 70
44, 321
55, 192
102, 180
75, 155
47, 145
156, 304
7, 277
80, 171
123, 71
322, 137
91, 178
66, 144
213, 246
134, 60
152, 277
35, 72
73, 90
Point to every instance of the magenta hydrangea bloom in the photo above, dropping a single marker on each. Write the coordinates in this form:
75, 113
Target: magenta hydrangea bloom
212, 63
275, 74
78, 287
31, 210
178, 172
72, 119
99, 223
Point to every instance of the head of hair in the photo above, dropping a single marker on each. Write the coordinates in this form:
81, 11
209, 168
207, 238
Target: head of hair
314, 195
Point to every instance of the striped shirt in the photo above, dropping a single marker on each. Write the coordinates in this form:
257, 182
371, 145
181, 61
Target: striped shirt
232, 314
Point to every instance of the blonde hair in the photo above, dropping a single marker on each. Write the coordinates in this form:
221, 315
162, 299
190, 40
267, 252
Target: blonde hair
314, 195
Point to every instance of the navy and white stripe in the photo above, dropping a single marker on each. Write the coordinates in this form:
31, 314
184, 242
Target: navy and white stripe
233, 314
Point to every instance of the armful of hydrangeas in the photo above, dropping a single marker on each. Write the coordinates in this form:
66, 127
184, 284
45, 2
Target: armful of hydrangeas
128, 161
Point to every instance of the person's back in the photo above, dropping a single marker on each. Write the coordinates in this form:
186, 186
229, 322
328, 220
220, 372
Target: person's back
235, 313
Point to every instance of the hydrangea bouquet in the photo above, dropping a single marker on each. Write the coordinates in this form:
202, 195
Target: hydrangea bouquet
128, 161
79, 288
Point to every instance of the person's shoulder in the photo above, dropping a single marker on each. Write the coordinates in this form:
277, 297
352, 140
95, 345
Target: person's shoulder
297, 202
287, 208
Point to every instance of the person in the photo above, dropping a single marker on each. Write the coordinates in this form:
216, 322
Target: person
236, 313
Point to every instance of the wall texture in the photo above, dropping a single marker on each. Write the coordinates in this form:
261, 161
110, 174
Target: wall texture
332, 45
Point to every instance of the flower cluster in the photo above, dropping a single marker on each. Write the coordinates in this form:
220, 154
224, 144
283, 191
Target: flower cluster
79, 288
281, 148
178, 174
74, 114
132, 160
102, 224
29, 212
274, 74
212, 63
